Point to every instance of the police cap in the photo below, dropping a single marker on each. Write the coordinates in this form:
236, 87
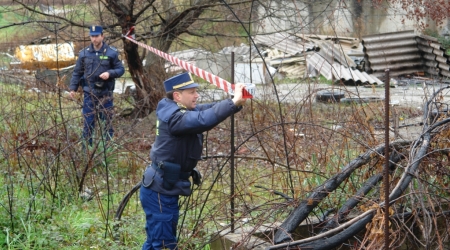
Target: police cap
95, 30
181, 81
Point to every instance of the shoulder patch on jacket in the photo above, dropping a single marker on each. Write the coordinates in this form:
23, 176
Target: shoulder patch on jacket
113, 48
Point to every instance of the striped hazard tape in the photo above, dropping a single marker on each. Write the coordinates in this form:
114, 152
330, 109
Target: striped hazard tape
213, 79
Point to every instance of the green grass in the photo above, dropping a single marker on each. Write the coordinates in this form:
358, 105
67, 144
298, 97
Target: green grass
71, 226
9, 15
26, 32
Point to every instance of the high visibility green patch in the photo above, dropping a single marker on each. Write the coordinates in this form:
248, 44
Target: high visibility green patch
157, 127
103, 57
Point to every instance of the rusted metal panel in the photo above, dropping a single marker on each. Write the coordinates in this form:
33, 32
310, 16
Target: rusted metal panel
49, 56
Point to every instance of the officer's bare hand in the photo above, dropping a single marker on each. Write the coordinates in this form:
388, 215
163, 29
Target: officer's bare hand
238, 99
73, 94
104, 75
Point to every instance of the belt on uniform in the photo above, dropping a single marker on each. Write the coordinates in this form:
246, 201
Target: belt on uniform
183, 175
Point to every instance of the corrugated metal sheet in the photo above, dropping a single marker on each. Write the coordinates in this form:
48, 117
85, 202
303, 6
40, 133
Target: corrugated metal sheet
435, 59
284, 42
396, 51
319, 63
406, 57
333, 52
405, 53
339, 71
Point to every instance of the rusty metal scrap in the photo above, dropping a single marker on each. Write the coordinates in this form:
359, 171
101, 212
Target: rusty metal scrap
50, 56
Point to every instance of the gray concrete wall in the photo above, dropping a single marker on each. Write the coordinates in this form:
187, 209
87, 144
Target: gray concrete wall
332, 17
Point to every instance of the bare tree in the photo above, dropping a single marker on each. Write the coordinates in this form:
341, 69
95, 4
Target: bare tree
157, 23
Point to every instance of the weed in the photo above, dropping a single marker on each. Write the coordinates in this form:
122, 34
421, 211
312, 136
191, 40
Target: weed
280, 160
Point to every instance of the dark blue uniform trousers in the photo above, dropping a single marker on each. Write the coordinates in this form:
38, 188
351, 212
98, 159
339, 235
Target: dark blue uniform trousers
162, 212
103, 106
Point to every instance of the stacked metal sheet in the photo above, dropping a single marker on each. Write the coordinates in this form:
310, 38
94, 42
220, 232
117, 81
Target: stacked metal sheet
435, 59
396, 51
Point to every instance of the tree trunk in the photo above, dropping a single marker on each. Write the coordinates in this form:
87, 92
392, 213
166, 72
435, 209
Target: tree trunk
148, 80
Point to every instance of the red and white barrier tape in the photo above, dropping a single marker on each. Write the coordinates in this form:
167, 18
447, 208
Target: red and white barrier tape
213, 79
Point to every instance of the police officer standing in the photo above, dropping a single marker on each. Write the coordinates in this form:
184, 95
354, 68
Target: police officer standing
96, 69
177, 148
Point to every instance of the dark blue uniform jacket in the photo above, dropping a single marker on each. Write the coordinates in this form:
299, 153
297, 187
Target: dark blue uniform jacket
179, 138
90, 64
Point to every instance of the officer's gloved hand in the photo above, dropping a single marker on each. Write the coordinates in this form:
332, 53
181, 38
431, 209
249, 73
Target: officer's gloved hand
196, 177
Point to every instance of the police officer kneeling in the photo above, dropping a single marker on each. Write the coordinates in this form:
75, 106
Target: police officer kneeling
175, 153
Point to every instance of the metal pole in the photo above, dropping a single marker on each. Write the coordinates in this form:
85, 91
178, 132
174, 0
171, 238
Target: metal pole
386, 162
232, 154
